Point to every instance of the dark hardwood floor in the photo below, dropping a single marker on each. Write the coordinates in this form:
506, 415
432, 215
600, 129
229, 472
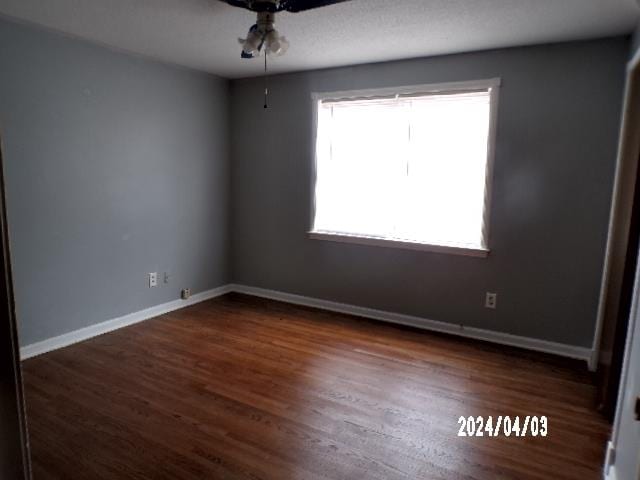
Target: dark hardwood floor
243, 388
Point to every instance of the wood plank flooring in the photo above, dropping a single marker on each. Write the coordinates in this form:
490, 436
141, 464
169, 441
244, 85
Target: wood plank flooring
243, 388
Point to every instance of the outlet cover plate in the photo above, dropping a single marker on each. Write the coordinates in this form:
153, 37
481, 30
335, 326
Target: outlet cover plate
491, 300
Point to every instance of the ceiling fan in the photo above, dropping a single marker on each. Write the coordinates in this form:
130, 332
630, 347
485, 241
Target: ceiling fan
262, 36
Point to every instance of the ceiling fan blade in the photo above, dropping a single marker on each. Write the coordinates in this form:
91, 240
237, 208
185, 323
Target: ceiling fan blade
238, 3
257, 5
302, 5
274, 6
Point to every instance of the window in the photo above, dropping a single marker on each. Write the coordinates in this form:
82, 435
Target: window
406, 167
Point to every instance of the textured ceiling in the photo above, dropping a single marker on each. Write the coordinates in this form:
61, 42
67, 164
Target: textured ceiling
203, 34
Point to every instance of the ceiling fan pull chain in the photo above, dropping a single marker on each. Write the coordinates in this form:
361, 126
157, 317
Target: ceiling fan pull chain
266, 85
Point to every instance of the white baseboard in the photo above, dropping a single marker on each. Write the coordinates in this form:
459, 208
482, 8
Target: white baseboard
85, 333
609, 472
571, 351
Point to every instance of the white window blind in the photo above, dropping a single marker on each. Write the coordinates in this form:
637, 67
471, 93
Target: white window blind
405, 167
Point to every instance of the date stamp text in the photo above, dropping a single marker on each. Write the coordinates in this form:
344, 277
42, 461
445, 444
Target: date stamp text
529, 426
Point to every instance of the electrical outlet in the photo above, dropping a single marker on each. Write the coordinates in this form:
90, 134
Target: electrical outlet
153, 279
185, 293
491, 300
166, 277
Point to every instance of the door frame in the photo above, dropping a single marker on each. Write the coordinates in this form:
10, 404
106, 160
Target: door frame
628, 159
15, 441
621, 208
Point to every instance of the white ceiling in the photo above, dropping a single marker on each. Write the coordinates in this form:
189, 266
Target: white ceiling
203, 34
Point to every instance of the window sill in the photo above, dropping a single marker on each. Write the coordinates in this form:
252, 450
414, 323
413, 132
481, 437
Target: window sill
383, 242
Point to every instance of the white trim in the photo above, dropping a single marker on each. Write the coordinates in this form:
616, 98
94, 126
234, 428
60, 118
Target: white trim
492, 141
491, 84
314, 161
571, 351
608, 254
592, 363
629, 124
404, 244
609, 461
606, 268
487, 83
85, 333
634, 313
634, 62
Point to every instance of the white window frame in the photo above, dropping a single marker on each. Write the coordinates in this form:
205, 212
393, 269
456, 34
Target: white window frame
491, 84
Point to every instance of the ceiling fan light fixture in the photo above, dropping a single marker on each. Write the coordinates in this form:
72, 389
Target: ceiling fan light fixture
263, 37
275, 44
252, 44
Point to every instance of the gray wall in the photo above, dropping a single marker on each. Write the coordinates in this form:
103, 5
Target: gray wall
116, 167
557, 132
635, 41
